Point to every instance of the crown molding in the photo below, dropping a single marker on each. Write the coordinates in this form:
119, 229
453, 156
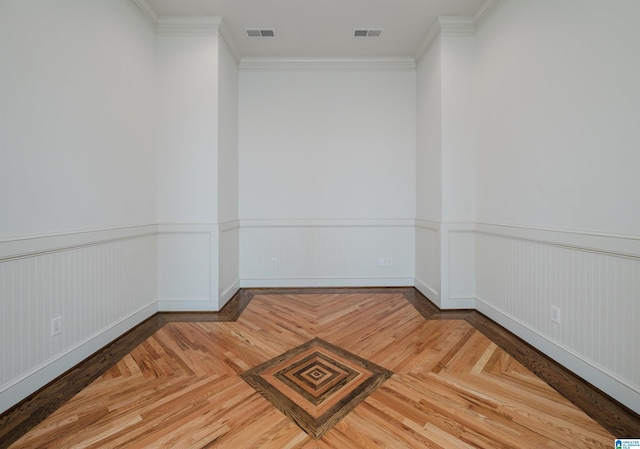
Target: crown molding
431, 36
177, 25
228, 42
188, 25
486, 10
457, 25
254, 63
145, 11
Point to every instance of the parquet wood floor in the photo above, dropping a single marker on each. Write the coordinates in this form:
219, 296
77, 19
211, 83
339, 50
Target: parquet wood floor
451, 386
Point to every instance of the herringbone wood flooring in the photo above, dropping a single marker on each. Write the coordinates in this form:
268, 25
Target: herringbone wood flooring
451, 388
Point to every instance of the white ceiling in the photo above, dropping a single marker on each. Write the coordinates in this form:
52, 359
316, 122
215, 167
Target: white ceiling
323, 28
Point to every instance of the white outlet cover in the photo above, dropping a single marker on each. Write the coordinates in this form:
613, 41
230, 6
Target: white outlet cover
555, 314
56, 326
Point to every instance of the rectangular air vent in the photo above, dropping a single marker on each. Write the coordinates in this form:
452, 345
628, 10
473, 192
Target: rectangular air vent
254, 32
365, 32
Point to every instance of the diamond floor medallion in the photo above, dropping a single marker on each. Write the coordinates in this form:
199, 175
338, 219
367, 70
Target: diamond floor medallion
316, 384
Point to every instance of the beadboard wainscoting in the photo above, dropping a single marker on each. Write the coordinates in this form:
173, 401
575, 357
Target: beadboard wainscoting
593, 280
427, 279
100, 283
198, 266
458, 251
327, 253
188, 267
445, 263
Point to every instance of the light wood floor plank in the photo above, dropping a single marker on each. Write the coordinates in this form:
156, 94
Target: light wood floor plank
452, 387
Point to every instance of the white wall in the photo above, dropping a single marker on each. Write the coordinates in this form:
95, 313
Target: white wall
445, 251
187, 170
458, 156
557, 116
228, 182
188, 148
558, 195
429, 134
77, 108
77, 184
429, 171
327, 178
327, 144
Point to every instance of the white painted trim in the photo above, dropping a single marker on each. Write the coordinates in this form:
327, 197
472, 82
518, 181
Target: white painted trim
486, 10
36, 245
456, 26
429, 39
187, 305
428, 291
609, 382
228, 293
404, 223
188, 25
228, 41
190, 304
145, 11
34, 379
459, 302
428, 224
446, 229
228, 226
399, 63
187, 228
618, 245
326, 282
459, 226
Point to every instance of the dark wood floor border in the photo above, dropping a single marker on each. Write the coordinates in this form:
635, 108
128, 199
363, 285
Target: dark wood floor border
31, 411
618, 419
613, 416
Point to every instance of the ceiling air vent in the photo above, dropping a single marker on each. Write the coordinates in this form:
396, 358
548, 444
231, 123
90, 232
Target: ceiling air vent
377, 32
260, 33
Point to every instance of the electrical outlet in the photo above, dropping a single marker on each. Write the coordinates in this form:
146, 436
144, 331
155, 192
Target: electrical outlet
381, 261
56, 326
274, 262
389, 261
555, 314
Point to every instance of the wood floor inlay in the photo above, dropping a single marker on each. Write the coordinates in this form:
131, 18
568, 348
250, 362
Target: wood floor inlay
316, 384
452, 386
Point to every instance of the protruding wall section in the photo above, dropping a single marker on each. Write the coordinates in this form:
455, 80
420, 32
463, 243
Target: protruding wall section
445, 161
228, 171
197, 166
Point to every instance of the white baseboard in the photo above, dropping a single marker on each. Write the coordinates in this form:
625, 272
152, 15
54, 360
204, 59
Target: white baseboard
454, 303
428, 291
188, 305
603, 379
34, 379
326, 282
226, 295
